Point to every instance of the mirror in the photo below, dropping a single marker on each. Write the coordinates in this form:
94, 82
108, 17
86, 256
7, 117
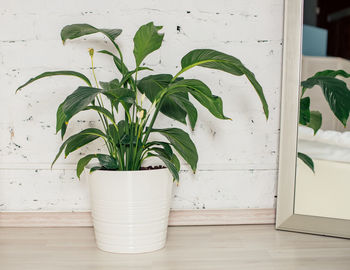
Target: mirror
314, 176
323, 165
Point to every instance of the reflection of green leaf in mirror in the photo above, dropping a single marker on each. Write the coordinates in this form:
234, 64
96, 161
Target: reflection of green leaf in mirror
315, 121
304, 112
334, 90
307, 160
336, 94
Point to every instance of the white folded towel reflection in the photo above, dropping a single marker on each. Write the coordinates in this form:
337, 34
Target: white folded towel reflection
325, 145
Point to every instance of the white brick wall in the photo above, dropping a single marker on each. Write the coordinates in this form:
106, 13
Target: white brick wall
238, 159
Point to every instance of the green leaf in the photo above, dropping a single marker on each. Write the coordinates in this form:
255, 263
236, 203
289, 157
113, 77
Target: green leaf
118, 63
122, 125
56, 73
113, 133
169, 164
95, 168
83, 162
162, 151
146, 40
74, 103
93, 134
78, 30
152, 85
307, 160
101, 110
128, 75
336, 93
315, 121
174, 106
167, 153
202, 93
60, 120
304, 116
187, 106
82, 138
107, 161
183, 144
176, 162
113, 84
166, 146
63, 130
217, 60
118, 94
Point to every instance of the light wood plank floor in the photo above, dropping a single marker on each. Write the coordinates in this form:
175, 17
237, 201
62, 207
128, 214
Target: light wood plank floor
215, 248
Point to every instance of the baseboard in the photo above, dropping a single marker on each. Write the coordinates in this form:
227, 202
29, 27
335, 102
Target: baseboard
177, 218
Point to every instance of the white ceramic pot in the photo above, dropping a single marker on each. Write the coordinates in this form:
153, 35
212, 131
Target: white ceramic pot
130, 209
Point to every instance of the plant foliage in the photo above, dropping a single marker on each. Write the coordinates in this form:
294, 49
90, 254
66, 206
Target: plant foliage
337, 95
127, 139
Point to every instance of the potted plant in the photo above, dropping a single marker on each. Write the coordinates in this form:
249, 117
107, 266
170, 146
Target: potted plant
130, 206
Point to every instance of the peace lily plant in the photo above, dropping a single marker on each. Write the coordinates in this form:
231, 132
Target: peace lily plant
127, 140
130, 207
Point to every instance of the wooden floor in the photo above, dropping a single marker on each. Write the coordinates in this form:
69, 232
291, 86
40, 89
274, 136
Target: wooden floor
216, 247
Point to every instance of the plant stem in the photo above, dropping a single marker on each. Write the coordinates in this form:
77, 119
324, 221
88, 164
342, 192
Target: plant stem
152, 123
100, 102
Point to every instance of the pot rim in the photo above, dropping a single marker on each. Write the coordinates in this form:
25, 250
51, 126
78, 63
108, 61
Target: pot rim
88, 167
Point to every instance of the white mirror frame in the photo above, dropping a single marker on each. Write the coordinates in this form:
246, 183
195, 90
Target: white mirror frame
286, 219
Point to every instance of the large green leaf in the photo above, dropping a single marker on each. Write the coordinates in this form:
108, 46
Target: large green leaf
108, 86
78, 30
122, 126
307, 160
166, 146
336, 93
202, 93
60, 120
129, 74
315, 121
56, 73
113, 133
217, 60
74, 103
332, 73
82, 138
118, 94
113, 91
169, 163
118, 63
183, 144
101, 110
174, 106
146, 40
79, 100
304, 116
106, 162
93, 134
183, 102
83, 162
328, 73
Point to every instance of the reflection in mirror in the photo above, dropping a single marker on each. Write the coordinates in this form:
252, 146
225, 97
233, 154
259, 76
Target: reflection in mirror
323, 166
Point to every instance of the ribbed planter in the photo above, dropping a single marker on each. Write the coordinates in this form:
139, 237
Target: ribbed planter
130, 209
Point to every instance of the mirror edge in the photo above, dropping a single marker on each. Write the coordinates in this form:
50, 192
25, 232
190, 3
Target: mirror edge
291, 73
